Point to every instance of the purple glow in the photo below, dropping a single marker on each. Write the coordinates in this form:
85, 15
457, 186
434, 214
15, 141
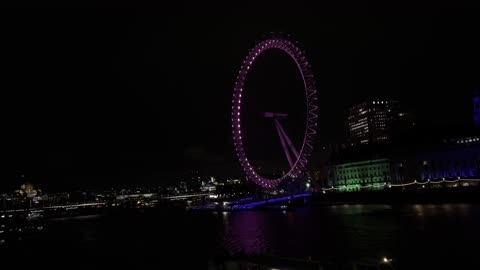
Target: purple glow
311, 101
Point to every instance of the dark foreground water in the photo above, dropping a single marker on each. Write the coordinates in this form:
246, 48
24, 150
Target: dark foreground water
443, 236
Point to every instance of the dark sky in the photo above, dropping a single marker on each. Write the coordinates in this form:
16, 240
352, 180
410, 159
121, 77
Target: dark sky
141, 94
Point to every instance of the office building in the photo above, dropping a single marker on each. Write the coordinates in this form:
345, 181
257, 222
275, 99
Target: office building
376, 121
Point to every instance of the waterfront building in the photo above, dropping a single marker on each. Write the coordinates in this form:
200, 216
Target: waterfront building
361, 175
453, 160
208, 187
27, 190
476, 109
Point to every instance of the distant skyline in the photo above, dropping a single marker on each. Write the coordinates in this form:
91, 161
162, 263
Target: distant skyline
137, 95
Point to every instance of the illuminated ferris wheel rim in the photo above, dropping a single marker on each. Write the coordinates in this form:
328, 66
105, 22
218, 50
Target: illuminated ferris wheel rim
306, 149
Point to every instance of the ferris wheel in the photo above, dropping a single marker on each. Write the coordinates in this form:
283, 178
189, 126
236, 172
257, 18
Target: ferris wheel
297, 158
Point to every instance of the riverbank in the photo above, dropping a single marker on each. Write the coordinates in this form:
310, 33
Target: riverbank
398, 196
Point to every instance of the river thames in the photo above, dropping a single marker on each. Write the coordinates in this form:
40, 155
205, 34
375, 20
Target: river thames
413, 236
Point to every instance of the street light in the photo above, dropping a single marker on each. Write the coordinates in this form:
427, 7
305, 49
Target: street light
386, 260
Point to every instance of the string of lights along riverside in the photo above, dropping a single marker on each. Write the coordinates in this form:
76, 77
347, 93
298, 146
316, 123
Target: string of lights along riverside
297, 159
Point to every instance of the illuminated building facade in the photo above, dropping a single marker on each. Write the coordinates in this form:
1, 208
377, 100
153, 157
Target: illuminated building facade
476, 109
458, 159
375, 121
462, 161
28, 191
355, 176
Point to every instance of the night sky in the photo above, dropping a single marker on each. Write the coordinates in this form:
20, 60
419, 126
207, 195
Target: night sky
143, 94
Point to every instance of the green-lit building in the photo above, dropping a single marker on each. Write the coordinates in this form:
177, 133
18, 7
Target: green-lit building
362, 175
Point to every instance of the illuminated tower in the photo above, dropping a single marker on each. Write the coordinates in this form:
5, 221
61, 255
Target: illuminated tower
376, 121
476, 109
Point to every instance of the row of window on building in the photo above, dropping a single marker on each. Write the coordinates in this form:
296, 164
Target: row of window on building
438, 165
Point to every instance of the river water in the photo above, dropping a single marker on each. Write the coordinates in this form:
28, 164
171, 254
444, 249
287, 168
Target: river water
415, 236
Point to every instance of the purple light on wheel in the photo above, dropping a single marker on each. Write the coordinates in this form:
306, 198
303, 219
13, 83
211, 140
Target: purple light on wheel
289, 47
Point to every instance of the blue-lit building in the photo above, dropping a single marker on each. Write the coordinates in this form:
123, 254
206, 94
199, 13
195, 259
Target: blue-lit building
476, 109
461, 160
454, 159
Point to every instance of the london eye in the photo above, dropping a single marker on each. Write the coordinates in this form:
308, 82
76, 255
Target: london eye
297, 157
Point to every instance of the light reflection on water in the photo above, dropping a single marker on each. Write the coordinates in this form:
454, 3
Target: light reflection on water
83, 217
247, 232
448, 210
410, 232
429, 235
